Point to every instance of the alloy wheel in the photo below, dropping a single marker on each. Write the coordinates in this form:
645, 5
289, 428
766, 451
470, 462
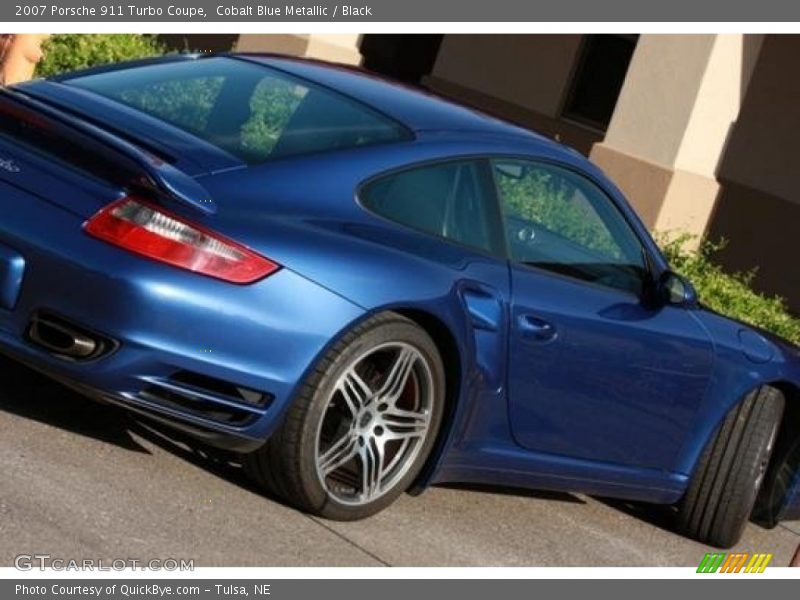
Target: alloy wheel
375, 423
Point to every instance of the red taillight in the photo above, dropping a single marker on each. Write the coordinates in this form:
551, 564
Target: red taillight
148, 230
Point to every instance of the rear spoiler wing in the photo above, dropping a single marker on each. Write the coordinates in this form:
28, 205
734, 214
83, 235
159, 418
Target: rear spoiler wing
160, 176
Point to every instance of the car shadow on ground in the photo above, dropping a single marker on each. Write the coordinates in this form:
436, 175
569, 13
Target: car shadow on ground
660, 516
29, 394
504, 490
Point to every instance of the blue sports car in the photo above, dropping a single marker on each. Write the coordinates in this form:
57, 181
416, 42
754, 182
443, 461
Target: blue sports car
365, 289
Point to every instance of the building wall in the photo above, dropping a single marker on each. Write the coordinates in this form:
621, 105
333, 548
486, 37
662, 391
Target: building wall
656, 102
532, 71
341, 48
523, 78
763, 149
758, 208
680, 99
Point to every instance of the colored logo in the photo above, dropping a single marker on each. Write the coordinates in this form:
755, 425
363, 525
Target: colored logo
742, 562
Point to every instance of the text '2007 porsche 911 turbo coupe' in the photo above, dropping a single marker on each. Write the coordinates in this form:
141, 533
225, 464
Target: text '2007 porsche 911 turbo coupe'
364, 289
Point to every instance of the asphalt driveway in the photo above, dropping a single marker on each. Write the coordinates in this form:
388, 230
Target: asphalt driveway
80, 480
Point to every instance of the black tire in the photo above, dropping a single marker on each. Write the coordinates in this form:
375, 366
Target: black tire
287, 464
723, 489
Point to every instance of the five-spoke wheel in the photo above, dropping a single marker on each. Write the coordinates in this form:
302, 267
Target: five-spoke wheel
376, 421
364, 424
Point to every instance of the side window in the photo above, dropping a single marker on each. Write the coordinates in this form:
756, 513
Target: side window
560, 221
451, 200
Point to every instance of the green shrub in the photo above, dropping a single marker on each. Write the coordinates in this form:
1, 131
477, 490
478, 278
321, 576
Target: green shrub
729, 294
68, 52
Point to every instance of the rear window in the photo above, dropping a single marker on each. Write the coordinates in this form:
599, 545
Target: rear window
252, 111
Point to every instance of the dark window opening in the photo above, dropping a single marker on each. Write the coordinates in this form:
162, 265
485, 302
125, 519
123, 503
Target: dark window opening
405, 57
598, 79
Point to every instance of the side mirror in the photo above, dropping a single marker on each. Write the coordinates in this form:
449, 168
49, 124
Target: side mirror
675, 290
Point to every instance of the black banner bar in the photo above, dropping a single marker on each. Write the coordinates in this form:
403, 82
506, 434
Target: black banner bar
730, 588
196, 11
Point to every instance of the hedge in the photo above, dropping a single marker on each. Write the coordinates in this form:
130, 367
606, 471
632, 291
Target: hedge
68, 52
728, 293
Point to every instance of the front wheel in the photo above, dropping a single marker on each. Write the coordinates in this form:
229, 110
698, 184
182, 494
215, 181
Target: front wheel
725, 484
363, 425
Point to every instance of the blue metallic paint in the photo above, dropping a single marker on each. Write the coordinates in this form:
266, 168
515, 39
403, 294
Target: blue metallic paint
626, 395
12, 266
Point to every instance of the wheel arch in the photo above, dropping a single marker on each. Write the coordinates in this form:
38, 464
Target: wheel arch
786, 457
785, 463
445, 341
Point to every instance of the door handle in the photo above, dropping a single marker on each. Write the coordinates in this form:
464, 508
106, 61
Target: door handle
535, 328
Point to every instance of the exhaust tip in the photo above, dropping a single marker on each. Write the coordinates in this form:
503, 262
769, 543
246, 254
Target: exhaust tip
65, 339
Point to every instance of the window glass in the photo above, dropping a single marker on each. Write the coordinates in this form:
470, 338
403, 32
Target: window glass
272, 105
450, 200
250, 110
560, 221
187, 103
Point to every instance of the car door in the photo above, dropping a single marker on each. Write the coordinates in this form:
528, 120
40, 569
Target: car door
595, 371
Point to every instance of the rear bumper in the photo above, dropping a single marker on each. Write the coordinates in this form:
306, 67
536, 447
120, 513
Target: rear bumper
259, 339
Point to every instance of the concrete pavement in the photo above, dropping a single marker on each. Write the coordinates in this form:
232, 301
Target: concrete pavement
80, 480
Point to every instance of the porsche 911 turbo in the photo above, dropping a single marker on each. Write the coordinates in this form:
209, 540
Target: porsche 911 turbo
365, 289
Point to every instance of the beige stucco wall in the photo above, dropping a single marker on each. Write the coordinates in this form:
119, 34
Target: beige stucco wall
758, 207
764, 151
680, 100
532, 71
342, 48
294, 44
719, 99
336, 47
658, 96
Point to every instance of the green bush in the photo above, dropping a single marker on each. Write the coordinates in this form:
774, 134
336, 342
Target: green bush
67, 52
729, 294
